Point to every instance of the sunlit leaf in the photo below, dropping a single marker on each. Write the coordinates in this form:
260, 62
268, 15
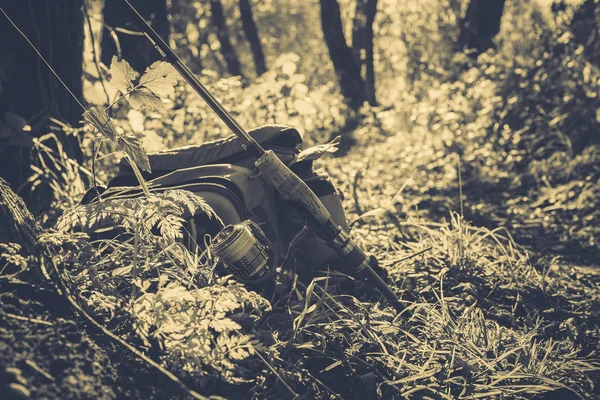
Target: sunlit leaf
302, 106
143, 98
136, 120
224, 325
289, 68
160, 78
121, 75
152, 142
101, 121
131, 145
179, 123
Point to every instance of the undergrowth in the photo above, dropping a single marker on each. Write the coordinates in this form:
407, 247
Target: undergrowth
486, 318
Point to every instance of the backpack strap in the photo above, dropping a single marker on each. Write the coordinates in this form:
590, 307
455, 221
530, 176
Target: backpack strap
283, 140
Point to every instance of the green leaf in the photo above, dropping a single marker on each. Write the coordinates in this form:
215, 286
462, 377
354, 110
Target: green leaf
143, 98
101, 121
131, 145
160, 78
121, 75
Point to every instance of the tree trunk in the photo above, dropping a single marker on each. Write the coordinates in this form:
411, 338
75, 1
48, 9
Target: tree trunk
480, 24
27, 86
586, 30
180, 14
135, 48
362, 44
218, 20
344, 63
251, 33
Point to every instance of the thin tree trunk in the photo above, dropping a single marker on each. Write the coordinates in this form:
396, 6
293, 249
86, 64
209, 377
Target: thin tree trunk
344, 63
56, 29
28, 87
135, 48
180, 11
586, 31
480, 24
218, 20
362, 44
251, 33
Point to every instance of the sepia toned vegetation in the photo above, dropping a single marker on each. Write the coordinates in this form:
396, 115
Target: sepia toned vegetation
469, 166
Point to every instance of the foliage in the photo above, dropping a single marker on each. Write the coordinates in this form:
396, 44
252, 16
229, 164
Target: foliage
145, 93
66, 179
138, 269
198, 328
11, 261
506, 139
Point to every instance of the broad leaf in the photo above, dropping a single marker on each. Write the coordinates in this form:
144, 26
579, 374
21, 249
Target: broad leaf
143, 98
131, 145
160, 78
122, 75
101, 121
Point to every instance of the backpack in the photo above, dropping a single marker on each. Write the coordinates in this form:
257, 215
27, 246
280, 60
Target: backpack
222, 172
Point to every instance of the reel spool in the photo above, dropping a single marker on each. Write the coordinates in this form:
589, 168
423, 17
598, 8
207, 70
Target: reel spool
245, 250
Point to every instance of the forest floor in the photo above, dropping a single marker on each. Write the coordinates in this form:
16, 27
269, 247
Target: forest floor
407, 193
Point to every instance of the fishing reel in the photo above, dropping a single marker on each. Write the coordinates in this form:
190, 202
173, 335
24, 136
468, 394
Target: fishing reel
246, 252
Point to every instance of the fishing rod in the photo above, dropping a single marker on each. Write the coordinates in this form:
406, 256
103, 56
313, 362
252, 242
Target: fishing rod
285, 182
168, 54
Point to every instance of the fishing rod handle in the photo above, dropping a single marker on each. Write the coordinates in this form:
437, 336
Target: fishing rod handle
293, 189
290, 186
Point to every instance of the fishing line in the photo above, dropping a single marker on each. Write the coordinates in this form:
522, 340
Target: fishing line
43, 59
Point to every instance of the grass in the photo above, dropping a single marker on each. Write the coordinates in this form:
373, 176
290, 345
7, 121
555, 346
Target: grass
486, 319
489, 318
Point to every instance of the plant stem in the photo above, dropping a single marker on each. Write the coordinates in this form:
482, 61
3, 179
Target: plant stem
136, 247
138, 175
